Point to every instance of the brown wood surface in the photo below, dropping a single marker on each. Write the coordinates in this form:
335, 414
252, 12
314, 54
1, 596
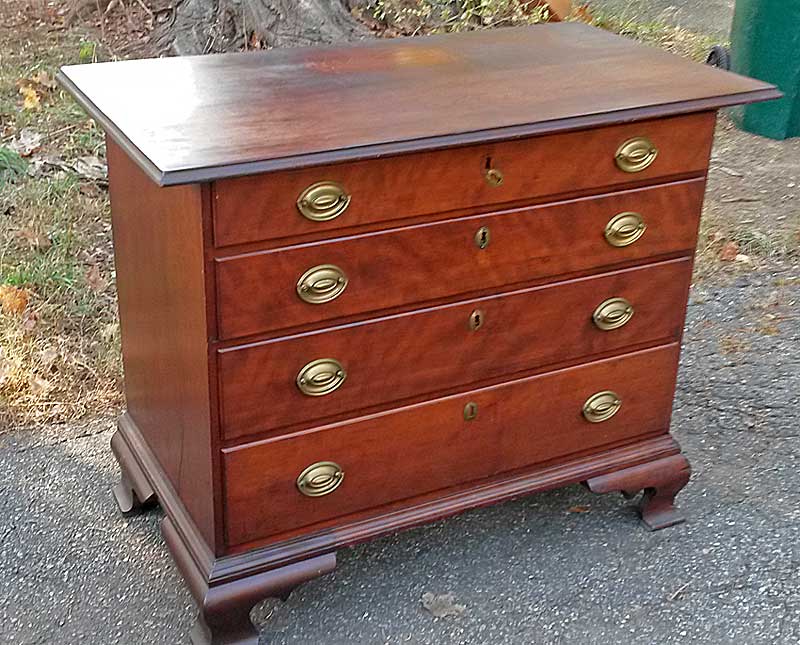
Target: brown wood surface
264, 207
415, 264
433, 350
158, 242
192, 119
422, 448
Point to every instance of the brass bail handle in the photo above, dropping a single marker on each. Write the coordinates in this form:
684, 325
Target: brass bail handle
323, 201
601, 406
321, 377
321, 284
612, 314
624, 229
636, 155
321, 478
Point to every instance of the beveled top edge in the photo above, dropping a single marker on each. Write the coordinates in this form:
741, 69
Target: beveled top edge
193, 170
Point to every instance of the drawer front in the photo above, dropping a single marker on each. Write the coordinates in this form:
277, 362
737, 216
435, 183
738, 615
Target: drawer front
341, 196
318, 375
279, 289
431, 446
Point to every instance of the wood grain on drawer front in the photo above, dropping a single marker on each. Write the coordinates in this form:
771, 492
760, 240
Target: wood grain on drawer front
434, 350
263, 207
257, 292
430, 446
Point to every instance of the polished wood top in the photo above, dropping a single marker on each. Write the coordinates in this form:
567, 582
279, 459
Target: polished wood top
206, 117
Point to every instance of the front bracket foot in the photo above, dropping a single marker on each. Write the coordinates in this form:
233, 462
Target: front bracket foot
225, 609
661, 481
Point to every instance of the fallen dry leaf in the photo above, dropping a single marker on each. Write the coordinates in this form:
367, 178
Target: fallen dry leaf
13, 300
30, 320
38, 385
91, 167
95, 281
729, 252
35, 240
441, 606
583, 13
729, 171
30, 98
736, 200
578, 509
45, 80
26, 142
48, 356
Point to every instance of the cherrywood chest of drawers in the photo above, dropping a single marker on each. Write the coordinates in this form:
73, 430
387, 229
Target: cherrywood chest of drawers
366, 287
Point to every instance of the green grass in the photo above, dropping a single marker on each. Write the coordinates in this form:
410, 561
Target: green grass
687, 43
59, 358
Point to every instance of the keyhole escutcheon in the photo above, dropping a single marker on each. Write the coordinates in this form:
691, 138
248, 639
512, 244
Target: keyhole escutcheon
476, 319
483, 237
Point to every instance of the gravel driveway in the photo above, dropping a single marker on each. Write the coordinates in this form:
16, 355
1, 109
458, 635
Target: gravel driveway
526, 572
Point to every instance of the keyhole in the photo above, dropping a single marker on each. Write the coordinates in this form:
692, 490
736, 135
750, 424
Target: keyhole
476, 319
483, 237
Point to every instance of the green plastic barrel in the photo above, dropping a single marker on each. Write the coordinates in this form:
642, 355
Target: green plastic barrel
765, 44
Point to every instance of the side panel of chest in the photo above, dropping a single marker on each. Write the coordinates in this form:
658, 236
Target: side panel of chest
161, 285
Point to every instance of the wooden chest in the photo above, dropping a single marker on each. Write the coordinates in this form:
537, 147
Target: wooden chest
366, 287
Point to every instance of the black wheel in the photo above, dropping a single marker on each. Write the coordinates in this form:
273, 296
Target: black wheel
719, 56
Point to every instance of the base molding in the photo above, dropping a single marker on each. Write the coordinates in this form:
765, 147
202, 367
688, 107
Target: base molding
227, 587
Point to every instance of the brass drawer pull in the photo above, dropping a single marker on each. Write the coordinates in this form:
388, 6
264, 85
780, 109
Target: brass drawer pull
321, 377
323, 201
612, 314
636, 155
482, 237
321, 478
624, 229
321, 284
601, 406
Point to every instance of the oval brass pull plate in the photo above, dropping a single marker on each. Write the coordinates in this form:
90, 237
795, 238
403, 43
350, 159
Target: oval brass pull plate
476, 319
494, 177
323, 201
636, 155
470, 411
612, 314
321, 284
601, 406
321, 478
482, 237
321, 377
624, 229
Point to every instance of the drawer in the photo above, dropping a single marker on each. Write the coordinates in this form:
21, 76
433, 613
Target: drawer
274, 290
431, 446
342, 196
376, 362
